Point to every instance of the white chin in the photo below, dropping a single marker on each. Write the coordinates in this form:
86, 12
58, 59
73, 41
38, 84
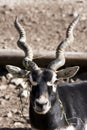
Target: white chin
41, 112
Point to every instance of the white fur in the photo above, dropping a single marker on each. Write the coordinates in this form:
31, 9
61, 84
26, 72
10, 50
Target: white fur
46, 108
70, 128
51, 83
85, 126
67, 128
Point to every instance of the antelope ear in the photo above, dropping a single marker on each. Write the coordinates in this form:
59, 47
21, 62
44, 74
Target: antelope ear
16, 71
68, 72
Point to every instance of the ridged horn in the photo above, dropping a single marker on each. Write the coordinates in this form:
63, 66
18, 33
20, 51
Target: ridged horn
60, 58
27, 62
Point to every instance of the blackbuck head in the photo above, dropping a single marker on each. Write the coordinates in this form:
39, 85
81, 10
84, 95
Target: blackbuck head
43, 80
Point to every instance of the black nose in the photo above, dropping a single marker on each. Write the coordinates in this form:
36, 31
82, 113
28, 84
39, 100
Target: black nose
40, 104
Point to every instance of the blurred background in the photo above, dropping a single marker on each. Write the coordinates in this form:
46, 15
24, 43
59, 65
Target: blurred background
45, 23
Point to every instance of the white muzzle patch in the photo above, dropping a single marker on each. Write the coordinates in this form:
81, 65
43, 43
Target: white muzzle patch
42, 105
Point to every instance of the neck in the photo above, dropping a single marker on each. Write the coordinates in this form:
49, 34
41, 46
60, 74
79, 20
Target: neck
49, 121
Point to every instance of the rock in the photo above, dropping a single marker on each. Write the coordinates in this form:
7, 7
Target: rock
3, 86
18, 124
9, 114
12, 86
84, 17
7, 97
15, 111
25, 93
9, 76
24, 85
16, 81
2, 102
19, 82
25, 112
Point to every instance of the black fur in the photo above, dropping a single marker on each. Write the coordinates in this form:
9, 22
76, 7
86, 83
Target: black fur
74, 100
49, 121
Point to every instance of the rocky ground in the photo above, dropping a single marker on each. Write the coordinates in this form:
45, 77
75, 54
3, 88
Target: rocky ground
45, 22
14, 103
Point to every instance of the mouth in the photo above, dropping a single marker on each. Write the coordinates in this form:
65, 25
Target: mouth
42, 111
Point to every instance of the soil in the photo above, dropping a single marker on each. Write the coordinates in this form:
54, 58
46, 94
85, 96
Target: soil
45, 23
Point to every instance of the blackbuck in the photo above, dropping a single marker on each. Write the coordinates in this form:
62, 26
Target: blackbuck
54, 105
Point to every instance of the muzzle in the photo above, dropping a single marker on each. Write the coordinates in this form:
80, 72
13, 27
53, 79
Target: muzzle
42, 105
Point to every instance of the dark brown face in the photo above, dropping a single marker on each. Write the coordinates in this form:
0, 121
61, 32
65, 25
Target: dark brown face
43, 91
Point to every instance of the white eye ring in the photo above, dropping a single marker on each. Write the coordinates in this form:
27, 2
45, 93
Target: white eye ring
31, 80
49, 83
53, 86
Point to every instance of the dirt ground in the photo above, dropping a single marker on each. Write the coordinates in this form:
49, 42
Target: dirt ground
45, 23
